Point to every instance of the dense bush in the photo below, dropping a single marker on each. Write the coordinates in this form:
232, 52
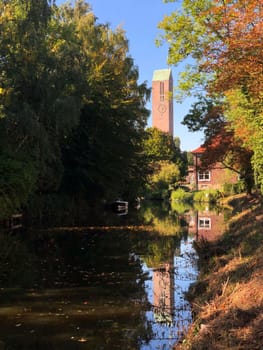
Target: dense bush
165, 176
230, 189
181, 195
210, 196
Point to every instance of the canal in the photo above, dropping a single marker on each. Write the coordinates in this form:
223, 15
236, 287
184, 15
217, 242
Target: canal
114, 283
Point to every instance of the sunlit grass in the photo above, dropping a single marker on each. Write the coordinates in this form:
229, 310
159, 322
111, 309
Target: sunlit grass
229, 295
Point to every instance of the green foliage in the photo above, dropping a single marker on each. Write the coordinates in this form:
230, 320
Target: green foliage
159, 145
17, 181
168, 173
209, 196
38, 111
187, 32
190, 158
165, 176
160, 251
231, 189
257, 162
71, 108
181, 195
180, 206
246, 117
103, 156
167, 164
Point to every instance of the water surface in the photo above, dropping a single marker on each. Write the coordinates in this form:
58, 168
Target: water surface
119, 285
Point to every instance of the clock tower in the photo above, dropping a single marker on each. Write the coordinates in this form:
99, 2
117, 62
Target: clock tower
162, 100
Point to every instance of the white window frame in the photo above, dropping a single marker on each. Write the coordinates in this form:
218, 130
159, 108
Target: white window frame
204, 175
204, 223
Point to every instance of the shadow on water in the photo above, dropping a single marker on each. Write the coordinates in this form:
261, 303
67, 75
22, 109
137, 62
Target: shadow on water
117, 285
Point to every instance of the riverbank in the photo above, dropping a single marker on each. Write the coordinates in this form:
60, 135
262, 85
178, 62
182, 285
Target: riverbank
227, 300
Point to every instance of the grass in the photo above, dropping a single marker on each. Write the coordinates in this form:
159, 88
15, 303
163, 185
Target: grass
227, 300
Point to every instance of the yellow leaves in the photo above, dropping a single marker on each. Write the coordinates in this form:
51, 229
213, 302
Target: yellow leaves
58, 46
5, 96
99, 66
6, 13
5, 92
12, 11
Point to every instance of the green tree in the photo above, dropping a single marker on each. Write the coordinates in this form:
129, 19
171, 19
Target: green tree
104, 155
159, 145
166, 163
165, 175
22, 85
245, 115
71, 107
40, 107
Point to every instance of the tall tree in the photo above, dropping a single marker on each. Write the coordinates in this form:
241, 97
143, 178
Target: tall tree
159, 145
67, 86
104, 155
223, 40
22, 81
167, 164
40, 104
245, 115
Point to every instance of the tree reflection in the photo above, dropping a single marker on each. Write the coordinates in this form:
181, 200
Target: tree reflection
87, 288
16, 261
162, 223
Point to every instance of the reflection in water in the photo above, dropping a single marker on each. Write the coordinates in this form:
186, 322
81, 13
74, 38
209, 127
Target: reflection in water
114, 287
163, 294
170, 315
87, 290
206, 223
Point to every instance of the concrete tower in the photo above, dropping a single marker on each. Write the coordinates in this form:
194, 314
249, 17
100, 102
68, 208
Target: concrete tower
162, 100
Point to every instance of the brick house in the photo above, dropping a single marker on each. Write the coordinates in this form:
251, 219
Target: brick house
213, 177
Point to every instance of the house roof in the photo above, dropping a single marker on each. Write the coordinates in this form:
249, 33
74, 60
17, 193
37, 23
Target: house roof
200, 149
161, 74
213, 144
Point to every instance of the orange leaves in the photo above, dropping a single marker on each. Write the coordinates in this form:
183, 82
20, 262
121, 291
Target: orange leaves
237, 55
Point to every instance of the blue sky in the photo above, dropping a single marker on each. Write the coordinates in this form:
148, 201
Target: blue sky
140, 18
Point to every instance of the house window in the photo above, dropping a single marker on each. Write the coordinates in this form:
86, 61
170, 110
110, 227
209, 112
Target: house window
204, 175
204, 223
162, 91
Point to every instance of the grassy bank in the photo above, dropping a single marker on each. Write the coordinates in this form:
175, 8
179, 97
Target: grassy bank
227, 300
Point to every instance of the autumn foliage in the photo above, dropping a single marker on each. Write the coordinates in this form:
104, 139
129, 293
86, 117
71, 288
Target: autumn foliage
223, 39
236, 55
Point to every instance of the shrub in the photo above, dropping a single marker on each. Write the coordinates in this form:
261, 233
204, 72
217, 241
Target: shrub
181, 195
210, 196
230, 189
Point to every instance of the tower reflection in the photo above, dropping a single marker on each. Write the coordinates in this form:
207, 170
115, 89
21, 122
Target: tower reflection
163, 293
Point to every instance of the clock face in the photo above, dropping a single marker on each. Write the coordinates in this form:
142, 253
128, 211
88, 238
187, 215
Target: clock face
161, 109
